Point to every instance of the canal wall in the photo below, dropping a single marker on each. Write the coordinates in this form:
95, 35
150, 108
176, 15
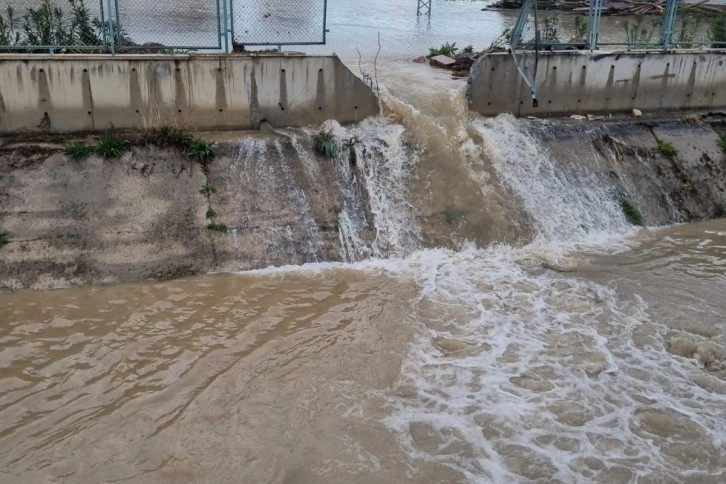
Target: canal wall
70, 93
599, 83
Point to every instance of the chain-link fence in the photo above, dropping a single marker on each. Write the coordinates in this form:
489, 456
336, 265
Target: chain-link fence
278, 22
651, 24
143, 26
44, 25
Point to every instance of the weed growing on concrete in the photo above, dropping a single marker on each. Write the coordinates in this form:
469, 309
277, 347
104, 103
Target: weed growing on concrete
722, 143
446, 49
111, 146
78, 151
211, 214
326, 144
207, 189
501, 42
4, 238
217, 227
667, 149
203, 152
632, 213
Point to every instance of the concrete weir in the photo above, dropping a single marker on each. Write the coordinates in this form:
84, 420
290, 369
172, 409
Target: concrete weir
600, 83
70, 93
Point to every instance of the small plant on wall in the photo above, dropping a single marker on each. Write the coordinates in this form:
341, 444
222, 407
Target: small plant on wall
667, 149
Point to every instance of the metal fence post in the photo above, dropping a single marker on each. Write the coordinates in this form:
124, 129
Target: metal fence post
593, 29
325, 21
669, 22
111, 33
226, 27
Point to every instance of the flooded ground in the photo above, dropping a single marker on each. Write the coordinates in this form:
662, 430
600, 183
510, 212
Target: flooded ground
478, 365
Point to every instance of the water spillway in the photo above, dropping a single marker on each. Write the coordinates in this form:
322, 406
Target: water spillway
466, 302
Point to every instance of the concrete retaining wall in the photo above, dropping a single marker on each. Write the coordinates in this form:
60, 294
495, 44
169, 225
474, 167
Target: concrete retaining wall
611, 82
66, 93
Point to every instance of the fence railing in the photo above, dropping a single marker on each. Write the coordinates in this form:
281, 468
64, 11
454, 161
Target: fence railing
138, 26
676, 27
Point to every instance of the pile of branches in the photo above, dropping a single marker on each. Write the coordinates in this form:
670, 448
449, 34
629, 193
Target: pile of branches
652, 7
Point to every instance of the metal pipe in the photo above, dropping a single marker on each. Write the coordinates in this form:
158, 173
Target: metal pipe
669, 22
593, 28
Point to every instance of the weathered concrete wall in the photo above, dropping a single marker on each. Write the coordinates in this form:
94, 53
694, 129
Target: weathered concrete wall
142, 217
67, 93
603, 82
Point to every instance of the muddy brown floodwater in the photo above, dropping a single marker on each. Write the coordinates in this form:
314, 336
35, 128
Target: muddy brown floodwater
478, 365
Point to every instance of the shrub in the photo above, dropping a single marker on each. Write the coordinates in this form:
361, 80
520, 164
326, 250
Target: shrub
203, 152
4, 238
78, 151
631, 212
717, 31
581, 27
667, 149
111, 146
446, 49
722, 143
207, 189
469, 49
637, 34
48, 24
326, 145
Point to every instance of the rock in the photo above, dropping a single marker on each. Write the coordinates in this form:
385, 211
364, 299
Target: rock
637, 113
420, 60
578, 117
442, 61
463, 63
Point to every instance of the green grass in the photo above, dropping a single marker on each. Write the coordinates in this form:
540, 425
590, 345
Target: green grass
326, 145
4, 238
78, 151
446, 49
111, 146
667, 149
207, 189
722, 143
203, 152
217, 227
631, 212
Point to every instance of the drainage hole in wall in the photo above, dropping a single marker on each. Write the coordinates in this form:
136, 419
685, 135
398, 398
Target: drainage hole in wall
180, 110
320, 70
89, 112
85, 70
221, 110
320, 108
137, 111
355, 107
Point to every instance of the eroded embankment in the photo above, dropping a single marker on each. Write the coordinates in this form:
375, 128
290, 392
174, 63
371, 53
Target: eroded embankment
145, 216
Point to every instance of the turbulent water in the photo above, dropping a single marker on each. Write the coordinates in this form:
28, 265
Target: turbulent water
529, 334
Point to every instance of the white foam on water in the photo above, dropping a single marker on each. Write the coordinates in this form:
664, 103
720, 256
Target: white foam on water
520, 373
